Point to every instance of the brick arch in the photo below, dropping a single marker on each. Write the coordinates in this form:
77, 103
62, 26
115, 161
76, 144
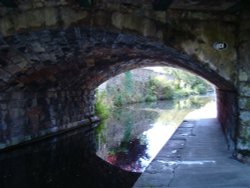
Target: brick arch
42, 57
49, 76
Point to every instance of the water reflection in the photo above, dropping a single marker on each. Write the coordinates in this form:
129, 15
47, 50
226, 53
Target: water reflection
68, 160
129, 140
132, 136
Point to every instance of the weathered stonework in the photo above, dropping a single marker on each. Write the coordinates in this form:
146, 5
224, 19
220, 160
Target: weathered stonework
243, 143
244, 103
51, 50
227, 115
29, 115
58, 70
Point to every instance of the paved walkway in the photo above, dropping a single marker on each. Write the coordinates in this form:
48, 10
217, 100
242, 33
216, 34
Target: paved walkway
196, 157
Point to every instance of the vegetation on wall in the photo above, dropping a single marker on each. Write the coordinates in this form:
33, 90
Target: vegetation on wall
102, 106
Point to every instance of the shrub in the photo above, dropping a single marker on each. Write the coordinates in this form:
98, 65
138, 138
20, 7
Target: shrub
168, 92
118, 100
101, 106
200, 89
150, 98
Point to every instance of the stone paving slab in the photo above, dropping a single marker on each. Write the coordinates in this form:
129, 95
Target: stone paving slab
196, 157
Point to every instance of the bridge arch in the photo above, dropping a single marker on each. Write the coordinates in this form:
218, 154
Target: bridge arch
39, 40
49, 77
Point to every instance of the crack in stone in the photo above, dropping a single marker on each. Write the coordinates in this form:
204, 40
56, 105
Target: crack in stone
173, 175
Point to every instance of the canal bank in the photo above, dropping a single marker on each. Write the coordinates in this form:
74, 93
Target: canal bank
196, 156
67, 160
111, 155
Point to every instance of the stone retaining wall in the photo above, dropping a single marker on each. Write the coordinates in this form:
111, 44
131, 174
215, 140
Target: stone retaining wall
26, 116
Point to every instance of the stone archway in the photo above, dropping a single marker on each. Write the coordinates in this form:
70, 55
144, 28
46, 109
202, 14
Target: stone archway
37, 36
50, 76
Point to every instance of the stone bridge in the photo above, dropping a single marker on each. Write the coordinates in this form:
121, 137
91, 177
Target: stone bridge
53, 54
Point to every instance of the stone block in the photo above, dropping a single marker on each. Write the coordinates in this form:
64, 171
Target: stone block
160, 16
18, 95
37, 4
244, 89
35, 18
102, 18
16, 112
51, 16
37, 47
17, 104
20, 22
149, 28
245, 117
71, 16
133, 22
243, 144
243, 76
22, 63
5, 76
25, 6
244, 32
244, 133
244, 55
3, 106
12, 69
244, 103
6, 25
4, 96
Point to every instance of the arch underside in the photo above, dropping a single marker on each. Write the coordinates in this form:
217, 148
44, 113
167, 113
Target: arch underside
48, 77
64, 58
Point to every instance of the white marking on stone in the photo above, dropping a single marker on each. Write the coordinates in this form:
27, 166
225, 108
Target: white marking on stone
187, 162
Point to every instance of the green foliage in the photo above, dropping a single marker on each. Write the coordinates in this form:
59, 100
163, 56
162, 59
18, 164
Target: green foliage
124, 93
150, 98
101, 106
181, 93
128, 83
173, 84
118, 100
157, 88
200, 89
168, 92
188, 83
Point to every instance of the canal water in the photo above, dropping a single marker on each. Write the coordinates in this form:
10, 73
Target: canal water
113, 154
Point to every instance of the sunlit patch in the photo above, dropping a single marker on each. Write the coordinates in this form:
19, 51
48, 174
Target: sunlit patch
157, 137
206, 112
